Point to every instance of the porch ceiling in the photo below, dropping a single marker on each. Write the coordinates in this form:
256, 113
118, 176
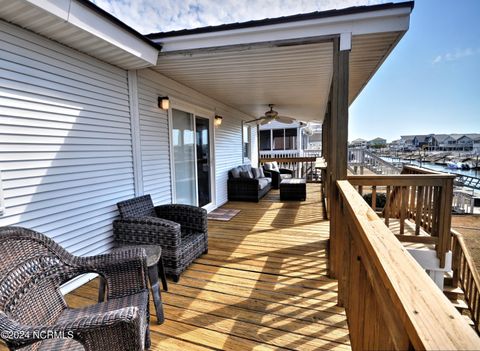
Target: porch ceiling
295, 77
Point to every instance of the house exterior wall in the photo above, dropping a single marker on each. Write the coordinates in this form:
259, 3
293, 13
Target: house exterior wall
66, 144
155, 136
65, 140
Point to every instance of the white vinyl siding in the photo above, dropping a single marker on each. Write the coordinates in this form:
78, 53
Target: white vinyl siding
154, 135
65, 140
154, 140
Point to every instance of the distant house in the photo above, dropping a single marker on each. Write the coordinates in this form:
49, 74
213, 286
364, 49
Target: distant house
420, 140
476, 146
406, 142
396, 144
377, 143
358, 143
465, 142
289, 140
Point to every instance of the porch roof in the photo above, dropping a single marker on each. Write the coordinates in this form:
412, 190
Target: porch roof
285, 61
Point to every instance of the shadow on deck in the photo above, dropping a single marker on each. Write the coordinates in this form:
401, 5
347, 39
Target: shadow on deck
263, 284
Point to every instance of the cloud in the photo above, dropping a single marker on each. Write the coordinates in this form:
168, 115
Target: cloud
456, 55
149, 16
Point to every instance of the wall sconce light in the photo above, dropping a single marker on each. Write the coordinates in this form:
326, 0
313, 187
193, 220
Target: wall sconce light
164, 102
218, 120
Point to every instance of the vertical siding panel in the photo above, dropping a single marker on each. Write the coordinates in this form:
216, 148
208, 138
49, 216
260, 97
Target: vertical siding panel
65, 140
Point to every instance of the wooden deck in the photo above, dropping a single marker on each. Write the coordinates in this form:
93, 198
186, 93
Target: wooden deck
261, 286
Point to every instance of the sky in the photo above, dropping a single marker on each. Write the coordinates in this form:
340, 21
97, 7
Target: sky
428, 84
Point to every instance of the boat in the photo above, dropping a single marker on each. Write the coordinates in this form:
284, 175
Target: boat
458, 165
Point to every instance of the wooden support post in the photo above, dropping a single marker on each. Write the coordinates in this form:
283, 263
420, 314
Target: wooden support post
337, 164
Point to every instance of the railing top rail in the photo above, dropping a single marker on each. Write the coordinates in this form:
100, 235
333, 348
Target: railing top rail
288, 159
400, 179
418, 170
430, 320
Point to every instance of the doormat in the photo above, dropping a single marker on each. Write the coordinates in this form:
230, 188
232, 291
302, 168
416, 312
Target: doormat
222, 214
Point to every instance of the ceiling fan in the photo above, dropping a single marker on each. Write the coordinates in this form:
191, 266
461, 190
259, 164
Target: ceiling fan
272, 115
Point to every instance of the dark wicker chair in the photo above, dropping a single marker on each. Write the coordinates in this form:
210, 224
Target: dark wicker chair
34, 314
181, 231
277, 174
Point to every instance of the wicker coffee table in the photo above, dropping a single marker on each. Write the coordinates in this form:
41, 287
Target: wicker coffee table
293, 189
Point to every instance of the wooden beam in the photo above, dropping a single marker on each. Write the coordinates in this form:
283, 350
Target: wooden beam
337, 163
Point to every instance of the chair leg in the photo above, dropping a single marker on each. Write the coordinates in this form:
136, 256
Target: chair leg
101, 288
157, 300
176, 278
161, 269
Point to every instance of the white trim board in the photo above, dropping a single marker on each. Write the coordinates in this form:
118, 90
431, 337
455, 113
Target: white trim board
389, 20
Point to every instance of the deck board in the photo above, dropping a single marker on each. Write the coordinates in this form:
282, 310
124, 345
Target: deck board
262, 286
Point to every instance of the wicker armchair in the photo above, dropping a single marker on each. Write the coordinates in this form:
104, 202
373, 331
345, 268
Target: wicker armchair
277, 174
34, 314
181, 231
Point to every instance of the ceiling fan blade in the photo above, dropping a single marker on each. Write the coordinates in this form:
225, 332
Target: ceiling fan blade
265, 121
285, 119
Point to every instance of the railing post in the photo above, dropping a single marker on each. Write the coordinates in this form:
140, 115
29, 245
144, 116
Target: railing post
337, 163
445, 220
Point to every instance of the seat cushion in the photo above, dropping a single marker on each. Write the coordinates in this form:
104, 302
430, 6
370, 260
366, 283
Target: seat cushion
271, 166
263, 182
154, 252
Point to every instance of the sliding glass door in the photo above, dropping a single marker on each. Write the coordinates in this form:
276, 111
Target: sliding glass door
202, 126
191, 158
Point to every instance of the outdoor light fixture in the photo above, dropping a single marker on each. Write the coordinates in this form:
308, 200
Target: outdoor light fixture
164, 102
218, 120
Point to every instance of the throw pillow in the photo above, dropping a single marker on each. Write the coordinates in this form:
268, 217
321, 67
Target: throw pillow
245, 174
260, 173
256, 172
235, 172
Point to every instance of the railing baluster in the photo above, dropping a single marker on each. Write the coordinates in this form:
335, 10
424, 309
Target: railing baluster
387, 208
403, 209
418, 215
374, 197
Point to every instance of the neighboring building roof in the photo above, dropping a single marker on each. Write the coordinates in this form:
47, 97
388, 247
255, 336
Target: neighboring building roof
359, 140
284, 19
422, 138
440, 138
378, 139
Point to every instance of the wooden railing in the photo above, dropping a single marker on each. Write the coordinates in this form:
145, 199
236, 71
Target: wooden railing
390, 302
421, 204
303, 167
362, 158
465, 276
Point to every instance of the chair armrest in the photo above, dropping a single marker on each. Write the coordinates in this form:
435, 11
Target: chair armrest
125, 271
123, 325
191, 218
147, 230
286, 171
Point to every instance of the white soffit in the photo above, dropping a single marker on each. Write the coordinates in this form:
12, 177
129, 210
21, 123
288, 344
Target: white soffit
295, 78
78, 26
288, 64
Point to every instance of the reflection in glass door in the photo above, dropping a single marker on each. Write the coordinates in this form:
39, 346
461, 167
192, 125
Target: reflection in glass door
191, 158
203, 160
183, 144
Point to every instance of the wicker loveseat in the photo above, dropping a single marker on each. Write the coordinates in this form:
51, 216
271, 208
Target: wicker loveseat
181, 231
33, 312
246, 184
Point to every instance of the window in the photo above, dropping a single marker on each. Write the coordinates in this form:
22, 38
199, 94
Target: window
291, 139
246, 142
278, 139
265, 140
